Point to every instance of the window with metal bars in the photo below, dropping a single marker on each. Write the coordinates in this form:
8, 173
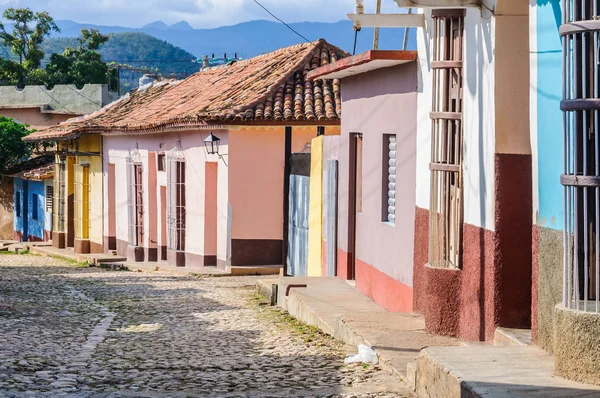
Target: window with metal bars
135, 192
82, 201
176, 210
49, 198
446, 202
58, 207
581, 178
389, 178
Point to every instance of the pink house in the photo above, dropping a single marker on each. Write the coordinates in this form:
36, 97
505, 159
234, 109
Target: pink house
169, 196
376, 157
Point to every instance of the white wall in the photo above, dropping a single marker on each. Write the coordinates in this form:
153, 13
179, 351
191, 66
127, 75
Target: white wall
478, 118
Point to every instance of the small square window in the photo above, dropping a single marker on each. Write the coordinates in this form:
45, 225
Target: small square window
162, 163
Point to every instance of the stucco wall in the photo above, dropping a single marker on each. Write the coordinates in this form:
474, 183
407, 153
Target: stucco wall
117, 148
34, 118
93, 144
377, 103
547, 147
62, 98
577, 346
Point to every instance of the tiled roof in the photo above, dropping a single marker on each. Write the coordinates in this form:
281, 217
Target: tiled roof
268, 88
38, 168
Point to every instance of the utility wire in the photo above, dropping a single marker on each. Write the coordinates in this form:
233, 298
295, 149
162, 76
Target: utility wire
55, 100
288, 26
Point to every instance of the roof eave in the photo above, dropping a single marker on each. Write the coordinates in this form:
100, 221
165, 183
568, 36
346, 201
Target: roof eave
362, 63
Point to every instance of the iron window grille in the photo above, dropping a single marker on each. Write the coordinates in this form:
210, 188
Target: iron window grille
176, 203
82, 201
135, 193
446, 202
581, 178
58, 207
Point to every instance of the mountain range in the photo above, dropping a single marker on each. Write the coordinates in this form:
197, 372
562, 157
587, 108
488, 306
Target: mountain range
251, 38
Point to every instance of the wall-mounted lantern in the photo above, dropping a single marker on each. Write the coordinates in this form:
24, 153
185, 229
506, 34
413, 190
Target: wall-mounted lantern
211, 143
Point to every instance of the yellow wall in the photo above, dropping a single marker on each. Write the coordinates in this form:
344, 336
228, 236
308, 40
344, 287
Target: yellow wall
315, 228
92, 143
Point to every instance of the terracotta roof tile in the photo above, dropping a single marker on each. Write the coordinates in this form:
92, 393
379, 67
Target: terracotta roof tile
270, 87
38, 168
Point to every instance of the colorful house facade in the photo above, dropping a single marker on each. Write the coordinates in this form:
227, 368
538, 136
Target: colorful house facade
372, 166
566, 283
463, 163
158, 191
33, 199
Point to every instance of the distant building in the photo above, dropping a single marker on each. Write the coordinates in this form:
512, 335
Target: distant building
39, 107
33, 199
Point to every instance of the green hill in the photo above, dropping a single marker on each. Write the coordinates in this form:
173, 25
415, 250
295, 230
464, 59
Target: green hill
137, 50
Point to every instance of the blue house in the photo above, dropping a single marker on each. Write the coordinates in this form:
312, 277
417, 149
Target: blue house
33, 195
565, 115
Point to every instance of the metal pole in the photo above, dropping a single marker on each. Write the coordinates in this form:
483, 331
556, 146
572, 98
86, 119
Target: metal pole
376, 35
405, 40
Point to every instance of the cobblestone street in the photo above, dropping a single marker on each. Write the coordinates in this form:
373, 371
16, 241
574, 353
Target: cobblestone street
77, 331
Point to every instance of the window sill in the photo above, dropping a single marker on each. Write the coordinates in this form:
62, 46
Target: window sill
389, 224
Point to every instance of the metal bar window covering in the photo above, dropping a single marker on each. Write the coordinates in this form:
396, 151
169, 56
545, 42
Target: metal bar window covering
391, 178
82, 201
176, 207
58, 208
135, 209
446, 203
581, 178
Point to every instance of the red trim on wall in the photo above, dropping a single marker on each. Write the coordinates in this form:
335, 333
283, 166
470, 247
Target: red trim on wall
462, 303
512, 236
384, 290
342, 264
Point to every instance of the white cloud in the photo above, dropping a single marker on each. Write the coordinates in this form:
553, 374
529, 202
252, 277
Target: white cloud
199, 13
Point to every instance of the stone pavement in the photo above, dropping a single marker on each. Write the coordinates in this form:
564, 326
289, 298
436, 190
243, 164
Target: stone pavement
76, 331
343, 312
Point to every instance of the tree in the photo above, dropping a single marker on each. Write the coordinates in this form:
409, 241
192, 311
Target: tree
28, 32
13, 150
81, 65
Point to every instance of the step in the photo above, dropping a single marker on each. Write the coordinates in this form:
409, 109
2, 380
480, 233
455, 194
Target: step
493, 372
512, 337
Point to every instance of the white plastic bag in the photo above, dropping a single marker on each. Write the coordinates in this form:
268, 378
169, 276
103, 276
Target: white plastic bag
365, 355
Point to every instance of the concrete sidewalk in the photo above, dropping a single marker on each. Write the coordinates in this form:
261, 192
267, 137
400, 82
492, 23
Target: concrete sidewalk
343, 312
433, 366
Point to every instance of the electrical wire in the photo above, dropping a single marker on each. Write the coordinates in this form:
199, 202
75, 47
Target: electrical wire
55, 100
280, 20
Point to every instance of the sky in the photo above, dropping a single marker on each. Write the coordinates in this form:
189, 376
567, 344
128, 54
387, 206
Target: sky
198, 13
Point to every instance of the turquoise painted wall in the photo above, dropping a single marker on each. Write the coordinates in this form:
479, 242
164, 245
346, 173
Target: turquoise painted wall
549, 116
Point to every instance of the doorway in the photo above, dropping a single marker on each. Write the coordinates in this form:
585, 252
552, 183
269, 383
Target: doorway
210, 214
354, 198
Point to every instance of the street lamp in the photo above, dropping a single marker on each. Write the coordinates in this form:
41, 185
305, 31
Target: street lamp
211, 143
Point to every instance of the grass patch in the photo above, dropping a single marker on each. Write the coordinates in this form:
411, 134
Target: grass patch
75, 263
307, 333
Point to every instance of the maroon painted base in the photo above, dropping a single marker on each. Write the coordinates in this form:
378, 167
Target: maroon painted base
59, 239
493, 286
